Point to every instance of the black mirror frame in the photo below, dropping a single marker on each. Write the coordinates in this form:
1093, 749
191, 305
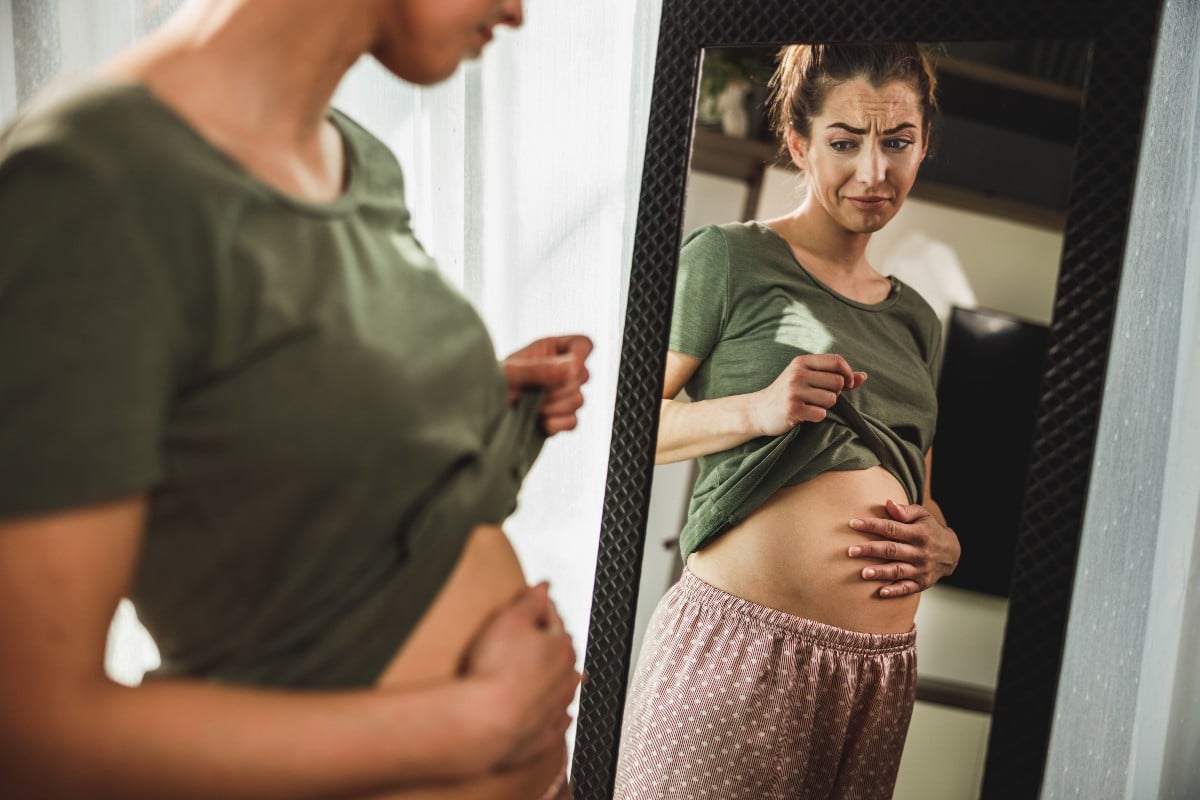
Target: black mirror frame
1123, 35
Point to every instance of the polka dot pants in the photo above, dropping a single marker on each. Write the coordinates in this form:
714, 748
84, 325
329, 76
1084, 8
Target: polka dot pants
735, 701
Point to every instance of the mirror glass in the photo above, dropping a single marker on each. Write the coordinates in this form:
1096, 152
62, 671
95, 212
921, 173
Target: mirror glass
980, 238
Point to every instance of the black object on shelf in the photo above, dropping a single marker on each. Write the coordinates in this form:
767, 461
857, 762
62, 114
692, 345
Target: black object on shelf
987, 397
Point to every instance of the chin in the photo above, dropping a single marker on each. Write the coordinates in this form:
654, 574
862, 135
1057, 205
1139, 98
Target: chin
870, 225
432, 75
423, 71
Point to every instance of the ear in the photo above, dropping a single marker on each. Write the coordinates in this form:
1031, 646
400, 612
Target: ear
797, 146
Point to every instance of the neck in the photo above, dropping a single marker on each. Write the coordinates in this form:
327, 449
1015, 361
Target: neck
813, 230
269, 67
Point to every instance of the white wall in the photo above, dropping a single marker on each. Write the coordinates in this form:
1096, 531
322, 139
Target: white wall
8, 66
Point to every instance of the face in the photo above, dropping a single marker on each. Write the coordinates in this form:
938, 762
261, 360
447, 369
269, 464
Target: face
863, 152
424, 41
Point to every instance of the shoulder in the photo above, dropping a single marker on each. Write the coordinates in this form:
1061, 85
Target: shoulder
96, 127
89, 213
913, 303
115, 151
731, 236
60, 155
733, 243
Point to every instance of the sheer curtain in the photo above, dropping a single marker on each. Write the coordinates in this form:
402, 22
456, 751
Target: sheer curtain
523, 173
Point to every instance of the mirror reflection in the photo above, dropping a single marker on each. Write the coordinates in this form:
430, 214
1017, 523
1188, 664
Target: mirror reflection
872, 237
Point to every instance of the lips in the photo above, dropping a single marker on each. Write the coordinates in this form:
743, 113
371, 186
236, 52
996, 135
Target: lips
868, 202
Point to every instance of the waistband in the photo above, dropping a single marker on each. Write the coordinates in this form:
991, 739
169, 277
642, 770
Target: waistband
692, 589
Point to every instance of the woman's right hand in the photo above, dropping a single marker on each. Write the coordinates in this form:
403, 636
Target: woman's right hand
804, 392
526, 656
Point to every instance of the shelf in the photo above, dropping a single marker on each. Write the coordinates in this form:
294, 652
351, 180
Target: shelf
1015, 81
730, 157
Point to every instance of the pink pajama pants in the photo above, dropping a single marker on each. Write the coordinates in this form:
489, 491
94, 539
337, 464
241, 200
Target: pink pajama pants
735, 701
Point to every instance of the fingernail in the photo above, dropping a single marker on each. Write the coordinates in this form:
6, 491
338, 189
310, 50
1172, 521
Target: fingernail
855, 550
884, 592
856, 523
868, 573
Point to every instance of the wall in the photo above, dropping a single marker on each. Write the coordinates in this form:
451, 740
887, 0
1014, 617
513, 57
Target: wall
1126, 722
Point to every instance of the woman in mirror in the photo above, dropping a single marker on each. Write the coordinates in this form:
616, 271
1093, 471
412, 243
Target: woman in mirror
237, 390
782, 664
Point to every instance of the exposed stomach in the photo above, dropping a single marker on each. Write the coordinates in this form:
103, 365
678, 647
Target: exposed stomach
486, 578
791, 554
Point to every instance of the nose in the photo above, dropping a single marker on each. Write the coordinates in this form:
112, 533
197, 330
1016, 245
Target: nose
871, 167
512, 14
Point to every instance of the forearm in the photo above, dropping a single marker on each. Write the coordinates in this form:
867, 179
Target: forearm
690, 429
183, 739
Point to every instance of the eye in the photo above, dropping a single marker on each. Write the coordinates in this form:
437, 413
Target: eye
841, 145
897, 144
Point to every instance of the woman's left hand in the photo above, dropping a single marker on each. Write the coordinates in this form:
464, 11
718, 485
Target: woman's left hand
916, 548
555, 365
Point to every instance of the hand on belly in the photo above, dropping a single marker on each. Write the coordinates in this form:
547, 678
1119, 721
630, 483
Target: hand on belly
487, 624
792, 554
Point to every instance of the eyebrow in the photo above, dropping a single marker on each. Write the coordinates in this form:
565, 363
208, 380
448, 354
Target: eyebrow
861, 131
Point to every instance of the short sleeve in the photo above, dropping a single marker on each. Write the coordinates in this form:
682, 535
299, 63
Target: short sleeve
86, 325
701, 293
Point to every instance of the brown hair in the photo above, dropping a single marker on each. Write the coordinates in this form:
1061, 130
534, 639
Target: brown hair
806, 72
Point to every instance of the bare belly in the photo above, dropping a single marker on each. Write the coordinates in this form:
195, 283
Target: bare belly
487, 578
790, 554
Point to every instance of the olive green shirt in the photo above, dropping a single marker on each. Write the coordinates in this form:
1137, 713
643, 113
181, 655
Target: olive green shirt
746, 307
317, 418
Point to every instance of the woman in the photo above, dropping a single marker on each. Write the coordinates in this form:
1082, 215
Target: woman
237, 390
779, 666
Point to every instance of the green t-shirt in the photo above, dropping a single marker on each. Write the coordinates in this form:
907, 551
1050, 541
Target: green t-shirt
318, 418
746, 308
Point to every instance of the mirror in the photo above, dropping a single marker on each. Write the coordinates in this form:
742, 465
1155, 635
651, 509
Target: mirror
1093, 222
979, 238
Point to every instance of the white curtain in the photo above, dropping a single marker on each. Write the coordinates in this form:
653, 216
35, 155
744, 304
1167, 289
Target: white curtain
523, 174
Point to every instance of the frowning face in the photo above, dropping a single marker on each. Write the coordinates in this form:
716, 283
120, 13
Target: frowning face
424, 41
863, 152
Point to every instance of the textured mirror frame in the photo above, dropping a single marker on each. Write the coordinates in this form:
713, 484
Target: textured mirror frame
1123, 34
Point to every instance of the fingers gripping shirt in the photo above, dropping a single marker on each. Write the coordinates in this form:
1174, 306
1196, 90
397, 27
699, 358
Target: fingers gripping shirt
745, 307
317, 418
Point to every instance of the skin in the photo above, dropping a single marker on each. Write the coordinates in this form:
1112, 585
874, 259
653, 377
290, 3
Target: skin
557, 362
860, 159
255, 78
424, 42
